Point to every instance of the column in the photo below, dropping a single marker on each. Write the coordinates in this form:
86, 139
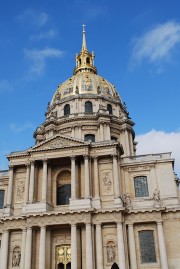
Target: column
101, 132
31, 184
108, 133
26, 191
44, 181
116, 177
127, 143
96, 179
162, 247
121, 251
132, 247
73, 177
89, 263
99, 247
4, 250
86, 168
72, 131
10, 186
49, 186
23, 246
73, 246
42, 248
28, 252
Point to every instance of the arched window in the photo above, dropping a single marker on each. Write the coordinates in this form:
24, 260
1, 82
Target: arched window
2, 192
63, 188
67, 110
147, 247
87, 60
109, 108
114, 266
89, 137
141, 186
88, 107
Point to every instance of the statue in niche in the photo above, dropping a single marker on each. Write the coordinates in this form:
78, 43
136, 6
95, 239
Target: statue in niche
156, 198
16, 259
107, 182
127, 201
111, 253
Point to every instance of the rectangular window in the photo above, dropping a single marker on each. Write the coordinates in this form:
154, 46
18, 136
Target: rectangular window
141, 186
2, 199
147, 247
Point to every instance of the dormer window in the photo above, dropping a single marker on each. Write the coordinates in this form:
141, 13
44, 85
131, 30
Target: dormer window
87, 60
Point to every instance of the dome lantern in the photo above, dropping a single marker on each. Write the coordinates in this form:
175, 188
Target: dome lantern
85, 59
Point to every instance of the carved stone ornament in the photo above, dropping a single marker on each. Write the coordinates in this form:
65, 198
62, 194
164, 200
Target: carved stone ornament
20, 190
127, 201
111, 252
16, 257
107, 182
156, 198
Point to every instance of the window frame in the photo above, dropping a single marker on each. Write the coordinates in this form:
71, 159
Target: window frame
138, 191
142, 248
67, 110
2, 190
88, 140
110, 109
87, 109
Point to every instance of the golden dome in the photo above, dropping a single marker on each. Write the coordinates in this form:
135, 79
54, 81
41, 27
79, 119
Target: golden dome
85, 79
85, 83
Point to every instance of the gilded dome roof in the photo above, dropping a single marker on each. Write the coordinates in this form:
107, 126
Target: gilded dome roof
85, 83
85, 79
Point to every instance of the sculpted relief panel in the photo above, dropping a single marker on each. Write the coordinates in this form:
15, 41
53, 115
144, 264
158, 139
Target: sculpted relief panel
20, 184
106, 179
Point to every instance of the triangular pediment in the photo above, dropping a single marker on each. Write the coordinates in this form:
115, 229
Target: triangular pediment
58, 142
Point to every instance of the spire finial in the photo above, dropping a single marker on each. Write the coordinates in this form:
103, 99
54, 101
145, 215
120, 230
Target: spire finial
84, 46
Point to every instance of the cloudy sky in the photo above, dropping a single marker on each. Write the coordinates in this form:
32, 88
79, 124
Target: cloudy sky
137, 48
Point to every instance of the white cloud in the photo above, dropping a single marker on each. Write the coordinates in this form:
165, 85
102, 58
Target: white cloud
33, 17
157, 44
44, 35
159, 142
5, 86
20, 128
39, 57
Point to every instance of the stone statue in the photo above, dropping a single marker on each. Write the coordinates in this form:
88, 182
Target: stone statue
156, 197
127, 201
110, 253
16, 259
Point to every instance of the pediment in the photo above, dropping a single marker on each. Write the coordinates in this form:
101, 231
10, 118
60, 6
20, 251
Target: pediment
58, 142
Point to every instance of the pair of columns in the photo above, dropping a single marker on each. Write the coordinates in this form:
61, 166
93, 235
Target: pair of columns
104, 131
96, 177
99, 246
74, 180
162, 247
26, 249
30, 180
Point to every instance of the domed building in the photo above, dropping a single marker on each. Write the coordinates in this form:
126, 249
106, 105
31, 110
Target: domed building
80, 197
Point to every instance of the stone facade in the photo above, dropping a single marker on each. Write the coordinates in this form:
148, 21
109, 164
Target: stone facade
81, 198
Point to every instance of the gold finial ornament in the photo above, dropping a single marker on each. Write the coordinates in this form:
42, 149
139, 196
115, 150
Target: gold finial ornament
85, 59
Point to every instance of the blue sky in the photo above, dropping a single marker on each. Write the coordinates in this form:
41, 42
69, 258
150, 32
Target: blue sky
137, 48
